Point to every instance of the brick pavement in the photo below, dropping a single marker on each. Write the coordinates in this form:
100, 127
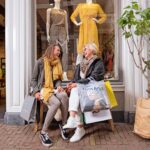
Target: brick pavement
98, 137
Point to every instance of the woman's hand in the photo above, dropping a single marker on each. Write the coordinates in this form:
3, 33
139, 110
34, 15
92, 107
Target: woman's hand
37, 95
73, 85
68, 85
60, 89
95, 20
77, 23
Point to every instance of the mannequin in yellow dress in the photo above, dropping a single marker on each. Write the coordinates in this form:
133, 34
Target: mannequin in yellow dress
90, 14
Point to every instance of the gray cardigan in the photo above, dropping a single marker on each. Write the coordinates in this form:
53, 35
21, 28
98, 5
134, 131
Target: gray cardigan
38, 77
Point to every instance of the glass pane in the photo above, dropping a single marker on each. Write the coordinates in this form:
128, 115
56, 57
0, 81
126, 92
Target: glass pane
106, 32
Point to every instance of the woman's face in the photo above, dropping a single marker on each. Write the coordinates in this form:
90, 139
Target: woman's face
56, 51
87, 53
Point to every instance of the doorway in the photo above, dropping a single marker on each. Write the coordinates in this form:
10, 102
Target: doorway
2, 61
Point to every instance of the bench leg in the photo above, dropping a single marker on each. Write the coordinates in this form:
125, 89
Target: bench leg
35, 127
41, 115
111, 123
38, 126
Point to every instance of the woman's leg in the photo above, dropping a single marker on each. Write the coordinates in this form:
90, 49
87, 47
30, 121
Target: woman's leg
62, 96
53, 105
74, 102
73, 108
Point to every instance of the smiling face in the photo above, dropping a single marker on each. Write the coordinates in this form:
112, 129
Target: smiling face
88, 53
56, 51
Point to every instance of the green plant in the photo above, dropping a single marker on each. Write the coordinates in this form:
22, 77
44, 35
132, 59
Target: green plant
135, 24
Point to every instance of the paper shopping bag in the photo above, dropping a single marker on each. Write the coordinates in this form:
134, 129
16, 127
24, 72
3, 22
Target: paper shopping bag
103, 115
111, 95
142, 118
28, 111
93, 96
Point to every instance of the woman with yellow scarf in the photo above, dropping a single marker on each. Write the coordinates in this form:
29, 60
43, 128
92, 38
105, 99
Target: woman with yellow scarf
46, 79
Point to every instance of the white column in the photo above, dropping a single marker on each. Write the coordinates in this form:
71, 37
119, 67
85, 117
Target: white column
135, 83
20, 47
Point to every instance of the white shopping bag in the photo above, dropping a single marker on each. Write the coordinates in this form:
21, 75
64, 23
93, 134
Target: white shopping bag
103, 115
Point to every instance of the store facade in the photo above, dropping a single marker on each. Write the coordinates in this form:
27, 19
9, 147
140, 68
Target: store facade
25, 39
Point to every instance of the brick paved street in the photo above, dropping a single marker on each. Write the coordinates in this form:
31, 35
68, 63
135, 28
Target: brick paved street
98, 137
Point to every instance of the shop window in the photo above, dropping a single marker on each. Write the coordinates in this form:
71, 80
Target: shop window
107, 34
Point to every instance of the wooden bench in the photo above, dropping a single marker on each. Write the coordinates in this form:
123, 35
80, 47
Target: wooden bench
38, 126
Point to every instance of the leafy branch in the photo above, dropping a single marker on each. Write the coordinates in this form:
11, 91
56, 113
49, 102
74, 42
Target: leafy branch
135, 25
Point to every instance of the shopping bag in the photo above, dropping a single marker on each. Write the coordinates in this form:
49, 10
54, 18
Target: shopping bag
142, 118
28, 111
93, 96
102, 115
111, 95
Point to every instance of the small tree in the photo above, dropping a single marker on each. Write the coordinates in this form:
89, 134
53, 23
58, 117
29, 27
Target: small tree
135, 24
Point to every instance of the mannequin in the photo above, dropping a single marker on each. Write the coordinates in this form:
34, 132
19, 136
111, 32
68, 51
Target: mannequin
90, 15
57, 31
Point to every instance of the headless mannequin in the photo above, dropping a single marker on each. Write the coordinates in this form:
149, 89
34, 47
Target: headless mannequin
80, 56
85, 36
79, 23
50, 38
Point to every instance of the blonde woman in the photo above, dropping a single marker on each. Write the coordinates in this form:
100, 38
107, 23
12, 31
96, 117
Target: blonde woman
91, 68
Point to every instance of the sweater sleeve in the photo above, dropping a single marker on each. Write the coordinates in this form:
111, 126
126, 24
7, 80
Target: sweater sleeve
75, 13
98, 71
102, 15
34, 79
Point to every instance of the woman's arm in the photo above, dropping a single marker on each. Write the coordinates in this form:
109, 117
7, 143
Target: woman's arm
34, 79
96, 74
76, 76
102, 16
74, 15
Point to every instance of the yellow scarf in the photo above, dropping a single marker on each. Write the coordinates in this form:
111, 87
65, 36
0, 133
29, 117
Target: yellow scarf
55, 68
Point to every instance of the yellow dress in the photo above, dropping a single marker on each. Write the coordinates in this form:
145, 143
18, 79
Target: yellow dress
88, 29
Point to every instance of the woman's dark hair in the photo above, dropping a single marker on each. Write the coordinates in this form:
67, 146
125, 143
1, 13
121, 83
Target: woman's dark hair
49, 52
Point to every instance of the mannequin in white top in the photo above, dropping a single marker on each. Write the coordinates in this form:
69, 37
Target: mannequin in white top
57, 31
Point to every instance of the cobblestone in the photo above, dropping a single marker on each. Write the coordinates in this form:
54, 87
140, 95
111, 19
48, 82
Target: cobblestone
98, 137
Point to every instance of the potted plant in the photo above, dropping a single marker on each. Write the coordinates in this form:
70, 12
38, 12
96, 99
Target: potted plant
135, 24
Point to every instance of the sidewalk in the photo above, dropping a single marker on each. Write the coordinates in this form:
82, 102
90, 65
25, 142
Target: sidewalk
98, 137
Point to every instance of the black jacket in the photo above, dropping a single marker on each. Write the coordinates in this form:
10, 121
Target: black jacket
95, 72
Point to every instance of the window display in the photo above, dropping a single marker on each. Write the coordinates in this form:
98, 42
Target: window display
90, 15
74, 23
57, 31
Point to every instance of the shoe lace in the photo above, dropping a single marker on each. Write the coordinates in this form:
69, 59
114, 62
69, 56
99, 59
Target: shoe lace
46, 136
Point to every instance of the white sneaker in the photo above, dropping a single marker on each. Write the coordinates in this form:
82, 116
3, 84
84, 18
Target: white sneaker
79, 133
71, 123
